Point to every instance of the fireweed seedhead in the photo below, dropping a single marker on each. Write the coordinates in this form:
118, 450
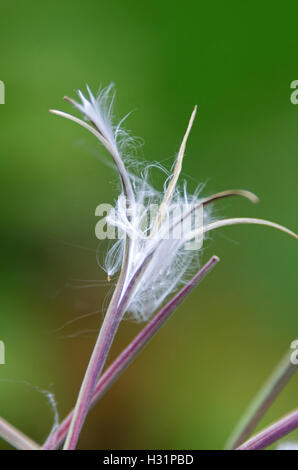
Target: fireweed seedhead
160, 249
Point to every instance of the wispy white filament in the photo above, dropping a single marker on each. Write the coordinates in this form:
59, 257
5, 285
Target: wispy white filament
165, 262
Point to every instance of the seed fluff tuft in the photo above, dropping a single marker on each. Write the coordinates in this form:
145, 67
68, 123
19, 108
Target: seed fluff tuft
160, 233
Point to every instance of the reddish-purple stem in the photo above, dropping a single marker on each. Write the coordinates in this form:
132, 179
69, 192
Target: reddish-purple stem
272, 433
131, 351
99, 355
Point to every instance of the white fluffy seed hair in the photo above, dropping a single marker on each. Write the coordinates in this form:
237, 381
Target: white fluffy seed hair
170, 264
99, 111
164, 263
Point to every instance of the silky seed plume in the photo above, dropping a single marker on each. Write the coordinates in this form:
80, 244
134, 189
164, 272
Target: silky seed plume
152, 264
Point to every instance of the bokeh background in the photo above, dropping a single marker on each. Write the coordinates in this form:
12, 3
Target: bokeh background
236, 61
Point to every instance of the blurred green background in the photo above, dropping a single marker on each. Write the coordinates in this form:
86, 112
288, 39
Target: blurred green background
236, 61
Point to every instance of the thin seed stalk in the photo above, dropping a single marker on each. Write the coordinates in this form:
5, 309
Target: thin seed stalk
15, 437
263, 400
132, 350
97, 361
272, 433
102, 347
